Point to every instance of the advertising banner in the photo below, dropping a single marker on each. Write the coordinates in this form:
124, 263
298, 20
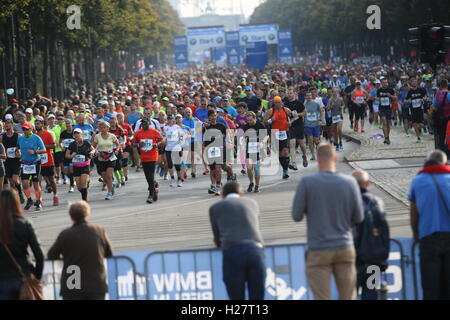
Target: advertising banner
205, 38
285, 49
256, 55
233, 48
257, 33
180, 50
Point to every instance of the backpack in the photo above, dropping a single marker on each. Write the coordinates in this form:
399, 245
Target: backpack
373, 238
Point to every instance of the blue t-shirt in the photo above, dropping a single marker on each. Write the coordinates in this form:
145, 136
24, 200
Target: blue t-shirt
432, 214
34, 142
193, 129
401, 97
201, 114
87, 129
232, 111
223, 121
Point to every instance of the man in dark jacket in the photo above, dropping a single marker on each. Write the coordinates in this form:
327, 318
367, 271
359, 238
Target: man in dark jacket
83, 247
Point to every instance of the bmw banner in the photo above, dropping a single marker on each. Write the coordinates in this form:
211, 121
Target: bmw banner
180, 52
256, 33
234, 50
285, 51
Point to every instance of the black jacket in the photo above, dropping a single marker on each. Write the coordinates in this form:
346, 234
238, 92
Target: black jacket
23, 236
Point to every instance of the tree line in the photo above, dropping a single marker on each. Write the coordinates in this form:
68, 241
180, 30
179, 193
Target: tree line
340, 25
38, 52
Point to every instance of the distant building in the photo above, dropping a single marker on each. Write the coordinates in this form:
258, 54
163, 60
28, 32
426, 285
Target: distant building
230, 22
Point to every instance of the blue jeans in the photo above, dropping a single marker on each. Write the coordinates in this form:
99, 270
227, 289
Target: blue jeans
10, 288
244, 265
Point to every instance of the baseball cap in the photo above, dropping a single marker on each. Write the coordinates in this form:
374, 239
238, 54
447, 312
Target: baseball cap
51, 115
78, 130
39, 118
178, 116
27, 125
8, 117
247, 88
166, 99
220, 110
277, 99
28, 110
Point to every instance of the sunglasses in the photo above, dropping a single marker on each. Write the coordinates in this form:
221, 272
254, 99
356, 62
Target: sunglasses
26, 129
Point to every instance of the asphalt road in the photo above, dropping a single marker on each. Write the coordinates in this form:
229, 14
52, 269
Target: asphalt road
179, 220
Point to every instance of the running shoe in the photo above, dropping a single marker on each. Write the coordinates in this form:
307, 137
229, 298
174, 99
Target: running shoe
193, 174
362, 130
285, 175
337, 148
126, 179
418, 140
351, 125
22, 198
173, 183
29, 204
123, 181
71, 189
257, 189
109, 196
356, 128
293, 166
48, 189
341, 147
138, 169
55, 201
99, 180
305, 161
243, 172
212, 190
117, 185
313, 158
66, 180
161, 173
156, 192
388, 141
385, 141
38, 205
180, 183
166, 176
407, 135
150, 198
250, 187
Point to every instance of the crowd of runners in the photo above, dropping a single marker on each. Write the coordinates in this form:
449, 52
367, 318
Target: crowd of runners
178, 125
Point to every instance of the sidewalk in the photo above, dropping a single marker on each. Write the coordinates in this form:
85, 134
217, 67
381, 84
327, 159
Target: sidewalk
390, 168
400, 147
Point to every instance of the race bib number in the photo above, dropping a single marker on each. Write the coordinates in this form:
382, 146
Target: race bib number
336, 119
29, 169
11, 152
66, 142
311, 116
385, 101
148, 145
86, 135
214, 152
360, 100
44, 158
417, 103
79, 158
172, 136
253, 147
281, 135
376, 103
121, 141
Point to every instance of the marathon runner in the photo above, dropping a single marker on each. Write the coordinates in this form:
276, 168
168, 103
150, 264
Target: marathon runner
194, 126
47, 161
256, 137
12, 163
359, 98
121, 136
66, 139
175, 136
314, 114
386, 96
2, 166
148, 141
128, 150
336, 105
405, 107
416, 97
278, 118
29, 148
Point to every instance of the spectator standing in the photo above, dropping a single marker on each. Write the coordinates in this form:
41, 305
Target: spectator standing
332, 204
430, 222
17, 234
236, 231
84, 245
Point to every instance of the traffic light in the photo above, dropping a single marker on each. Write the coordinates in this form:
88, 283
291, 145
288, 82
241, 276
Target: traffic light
432, 42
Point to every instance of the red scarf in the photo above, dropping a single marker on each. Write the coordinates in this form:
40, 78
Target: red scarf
436, 169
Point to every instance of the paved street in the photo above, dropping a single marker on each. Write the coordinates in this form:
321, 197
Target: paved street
180, 219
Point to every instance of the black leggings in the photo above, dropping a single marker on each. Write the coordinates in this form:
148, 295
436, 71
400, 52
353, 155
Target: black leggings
360, 112
351, 111
170, 164
149, 171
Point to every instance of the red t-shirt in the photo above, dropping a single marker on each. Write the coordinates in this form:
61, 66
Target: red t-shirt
47, 138
148, 153
128, 130
193, 108
122, 135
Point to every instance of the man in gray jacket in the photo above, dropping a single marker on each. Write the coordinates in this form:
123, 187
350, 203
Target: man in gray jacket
235, 226
332, 204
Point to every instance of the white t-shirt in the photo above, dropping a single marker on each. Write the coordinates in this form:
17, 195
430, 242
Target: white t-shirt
319, 101
175, 137
154, 124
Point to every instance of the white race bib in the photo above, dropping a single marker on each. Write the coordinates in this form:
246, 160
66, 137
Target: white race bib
214, 152
253, 147
172, 136
29, 169
311, 116
337, 119
11, 152
376, 103
359, 100
86, 135
385, 101
148, 145
79, 158
44, 158
66, 142
417, 103
281, 135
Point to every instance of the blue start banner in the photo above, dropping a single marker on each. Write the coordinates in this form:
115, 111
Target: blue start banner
205, 38
180, 50
285, 49
256, 55
257, 33
233, 48
197, 275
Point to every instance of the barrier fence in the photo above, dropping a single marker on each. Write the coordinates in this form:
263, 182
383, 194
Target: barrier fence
197, 275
